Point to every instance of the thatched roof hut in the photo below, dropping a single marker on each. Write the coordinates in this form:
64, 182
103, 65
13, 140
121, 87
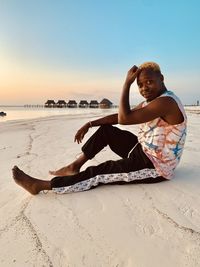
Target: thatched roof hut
61, 104
83, 104
72, 104
94, 104
50, 104
105, 103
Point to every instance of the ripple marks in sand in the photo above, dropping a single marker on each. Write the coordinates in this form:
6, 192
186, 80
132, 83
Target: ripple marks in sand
25, 224
102, 252
29, 146
169, 219
181, 227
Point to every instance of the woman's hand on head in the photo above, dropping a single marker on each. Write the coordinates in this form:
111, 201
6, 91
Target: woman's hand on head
132, 75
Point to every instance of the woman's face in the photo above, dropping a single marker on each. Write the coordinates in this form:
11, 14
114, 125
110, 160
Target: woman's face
150, 84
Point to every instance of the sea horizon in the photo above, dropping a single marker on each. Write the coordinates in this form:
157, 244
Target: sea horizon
21, 112
32, 112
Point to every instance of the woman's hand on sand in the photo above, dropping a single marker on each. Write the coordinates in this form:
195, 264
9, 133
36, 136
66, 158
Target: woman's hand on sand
81, 133
132, 74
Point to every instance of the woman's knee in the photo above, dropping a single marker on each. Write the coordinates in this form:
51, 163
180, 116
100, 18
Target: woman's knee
106, 129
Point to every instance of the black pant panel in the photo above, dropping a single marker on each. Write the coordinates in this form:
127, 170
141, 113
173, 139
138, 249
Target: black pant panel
120, 141
136, 161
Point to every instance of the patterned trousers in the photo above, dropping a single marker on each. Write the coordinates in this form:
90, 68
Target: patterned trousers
134, 167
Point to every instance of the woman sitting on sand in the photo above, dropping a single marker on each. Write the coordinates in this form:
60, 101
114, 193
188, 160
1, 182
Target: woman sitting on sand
149, 158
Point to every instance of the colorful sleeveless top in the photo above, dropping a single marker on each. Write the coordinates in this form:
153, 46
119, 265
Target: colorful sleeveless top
162, 142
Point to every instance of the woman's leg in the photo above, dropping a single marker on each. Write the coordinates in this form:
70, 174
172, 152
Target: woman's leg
72, 168
136, 169
30, 184
121, 142
87, 179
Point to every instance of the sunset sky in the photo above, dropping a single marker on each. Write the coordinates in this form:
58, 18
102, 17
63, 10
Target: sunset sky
83, 49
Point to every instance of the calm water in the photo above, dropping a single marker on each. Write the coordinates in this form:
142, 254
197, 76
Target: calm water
18, 113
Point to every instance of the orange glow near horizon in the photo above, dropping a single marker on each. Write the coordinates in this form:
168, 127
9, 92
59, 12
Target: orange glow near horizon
20, 84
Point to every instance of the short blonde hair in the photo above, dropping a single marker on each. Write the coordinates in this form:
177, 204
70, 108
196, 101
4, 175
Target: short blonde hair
150, 66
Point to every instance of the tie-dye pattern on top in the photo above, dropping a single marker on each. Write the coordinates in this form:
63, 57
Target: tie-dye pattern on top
162, 142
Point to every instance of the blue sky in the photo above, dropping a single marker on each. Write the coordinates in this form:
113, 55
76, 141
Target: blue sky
82, 49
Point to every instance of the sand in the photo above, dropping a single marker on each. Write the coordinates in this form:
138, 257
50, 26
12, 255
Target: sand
112, 225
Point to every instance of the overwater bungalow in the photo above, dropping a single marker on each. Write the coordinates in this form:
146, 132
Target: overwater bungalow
72, 104
61, 104
94, 104
83, 104
105, 103
50, 104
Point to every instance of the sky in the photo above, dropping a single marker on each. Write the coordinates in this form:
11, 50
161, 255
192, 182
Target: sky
63, 49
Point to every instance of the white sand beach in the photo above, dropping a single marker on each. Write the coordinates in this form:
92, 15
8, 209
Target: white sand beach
109, 226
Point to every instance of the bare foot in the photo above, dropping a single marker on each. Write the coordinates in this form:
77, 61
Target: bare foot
32, 185
65, 171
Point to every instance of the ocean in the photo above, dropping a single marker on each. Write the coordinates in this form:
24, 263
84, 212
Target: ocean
21, 113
